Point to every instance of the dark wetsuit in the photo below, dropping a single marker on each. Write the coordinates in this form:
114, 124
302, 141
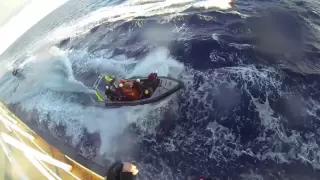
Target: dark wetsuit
109, 94
115, 173
142, 87
115, 94
152, 84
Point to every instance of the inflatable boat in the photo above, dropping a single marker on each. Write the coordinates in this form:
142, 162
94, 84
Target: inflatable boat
165, 87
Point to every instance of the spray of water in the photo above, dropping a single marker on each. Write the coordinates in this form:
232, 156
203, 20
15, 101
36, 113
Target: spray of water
47, 85
52, 83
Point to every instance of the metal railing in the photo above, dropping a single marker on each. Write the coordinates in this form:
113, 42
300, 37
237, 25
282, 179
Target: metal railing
25, 155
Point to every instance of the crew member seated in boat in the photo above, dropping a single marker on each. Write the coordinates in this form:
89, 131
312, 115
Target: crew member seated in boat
153, 81
109, 93
145, 92
128, 89
114, 93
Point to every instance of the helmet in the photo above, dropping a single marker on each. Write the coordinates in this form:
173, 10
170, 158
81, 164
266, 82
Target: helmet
107, 87
120, 85
146, 91
152, 76
138, 80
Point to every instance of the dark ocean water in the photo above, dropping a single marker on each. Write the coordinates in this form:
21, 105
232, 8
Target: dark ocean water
251, 107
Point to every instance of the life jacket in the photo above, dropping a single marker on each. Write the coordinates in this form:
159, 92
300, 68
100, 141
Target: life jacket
130, 91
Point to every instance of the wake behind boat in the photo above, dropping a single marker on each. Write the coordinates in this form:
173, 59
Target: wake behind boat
117, 92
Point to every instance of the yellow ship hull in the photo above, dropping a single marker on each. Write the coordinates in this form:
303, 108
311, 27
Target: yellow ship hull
28, 153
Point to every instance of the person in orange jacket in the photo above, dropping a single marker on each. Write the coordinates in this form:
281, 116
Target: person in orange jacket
135, 90
132, 93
